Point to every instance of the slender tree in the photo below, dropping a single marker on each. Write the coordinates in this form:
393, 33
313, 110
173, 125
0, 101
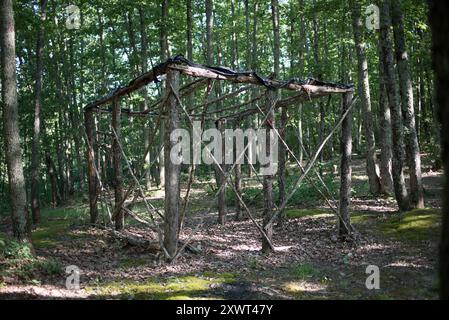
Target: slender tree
408, 109
386, 177
13, 150
364, 91
386, 42
144, 66
35, 157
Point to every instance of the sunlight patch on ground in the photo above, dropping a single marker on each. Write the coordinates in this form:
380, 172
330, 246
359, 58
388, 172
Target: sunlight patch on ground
298, 287
300, 213
179, 288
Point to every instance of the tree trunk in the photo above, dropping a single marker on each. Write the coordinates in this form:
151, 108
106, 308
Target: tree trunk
344, 222
13, 150
117, 159
268, 178
386, 178
276, 73
209, 32
301, 70
416, 197
91, 174
164, 56
221, 175
318, 74
439, 11
396, 115
35, 155
189, 30
173, 171
238, 183
364, 92
51, 171
144, 66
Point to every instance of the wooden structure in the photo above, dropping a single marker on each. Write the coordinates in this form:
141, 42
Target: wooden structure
170, 110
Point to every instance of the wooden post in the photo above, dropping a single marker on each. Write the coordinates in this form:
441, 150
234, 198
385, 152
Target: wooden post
117, 162
268, 179
91, 176
238, 183
221, 174
172, 171
344, 223
282, 164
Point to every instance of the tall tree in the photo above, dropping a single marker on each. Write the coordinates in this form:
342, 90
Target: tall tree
189, 30
276, 73
386, 177
13, 150
163, 39
386, 42
408, 109
209, 32
144, 66
36, 154
364, 92
439, 11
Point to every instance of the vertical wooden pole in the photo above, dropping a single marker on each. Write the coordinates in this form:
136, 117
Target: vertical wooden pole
172, 171
117, 161
91, 176
238, 183
222, 210
344, 223
268, 179
282, 164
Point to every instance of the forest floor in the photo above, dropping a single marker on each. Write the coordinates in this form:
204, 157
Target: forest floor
310, 263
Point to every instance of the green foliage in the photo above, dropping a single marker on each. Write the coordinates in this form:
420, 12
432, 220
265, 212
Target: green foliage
305, 195
18, 260
305, 271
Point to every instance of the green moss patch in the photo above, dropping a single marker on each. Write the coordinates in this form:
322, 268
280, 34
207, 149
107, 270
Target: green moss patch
55, 225
132, 262
416, 225
300, 213
176, 288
